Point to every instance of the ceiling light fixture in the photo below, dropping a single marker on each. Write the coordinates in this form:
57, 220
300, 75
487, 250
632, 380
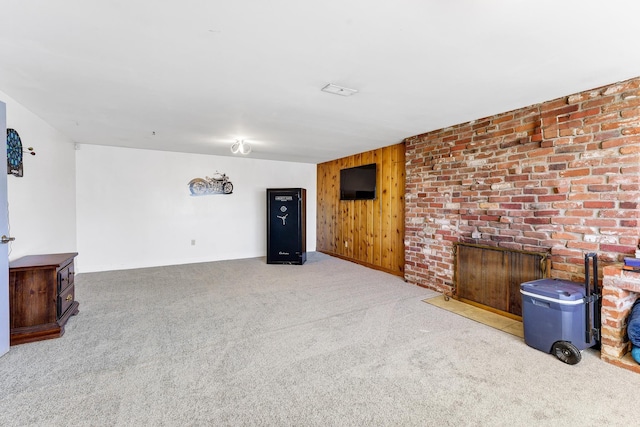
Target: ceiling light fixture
338, 90
240, 147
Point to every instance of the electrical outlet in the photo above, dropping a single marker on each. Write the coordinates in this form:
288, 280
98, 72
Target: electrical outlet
193, 242
346, 244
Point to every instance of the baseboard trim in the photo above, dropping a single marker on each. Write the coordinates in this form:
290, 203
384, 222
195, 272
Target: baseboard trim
365, 264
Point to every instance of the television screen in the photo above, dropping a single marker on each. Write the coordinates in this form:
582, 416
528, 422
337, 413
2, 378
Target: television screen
358, 183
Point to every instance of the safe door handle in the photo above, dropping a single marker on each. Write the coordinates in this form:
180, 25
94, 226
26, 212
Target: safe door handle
4, 239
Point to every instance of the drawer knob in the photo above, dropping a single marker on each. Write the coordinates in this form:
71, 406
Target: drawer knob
69, 297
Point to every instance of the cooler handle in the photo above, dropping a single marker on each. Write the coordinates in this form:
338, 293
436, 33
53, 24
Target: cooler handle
591, 300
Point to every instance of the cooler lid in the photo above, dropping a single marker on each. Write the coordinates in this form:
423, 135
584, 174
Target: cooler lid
633, 262
554, 288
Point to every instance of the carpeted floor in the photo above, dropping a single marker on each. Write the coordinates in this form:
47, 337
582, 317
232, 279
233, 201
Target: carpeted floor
329, 343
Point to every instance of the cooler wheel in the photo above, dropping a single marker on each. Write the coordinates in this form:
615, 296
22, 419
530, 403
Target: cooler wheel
566, 352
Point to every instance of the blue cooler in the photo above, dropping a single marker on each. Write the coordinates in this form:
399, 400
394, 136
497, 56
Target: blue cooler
561, 317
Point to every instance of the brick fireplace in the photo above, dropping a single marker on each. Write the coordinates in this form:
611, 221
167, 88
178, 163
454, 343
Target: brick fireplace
620, 289
561, 177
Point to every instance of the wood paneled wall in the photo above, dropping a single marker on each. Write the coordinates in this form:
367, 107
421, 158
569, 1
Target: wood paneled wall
369, 232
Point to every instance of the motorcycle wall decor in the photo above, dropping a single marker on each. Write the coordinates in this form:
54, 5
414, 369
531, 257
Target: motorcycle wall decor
217, 184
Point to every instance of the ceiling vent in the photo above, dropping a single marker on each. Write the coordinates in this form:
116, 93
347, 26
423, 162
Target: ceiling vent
338, 90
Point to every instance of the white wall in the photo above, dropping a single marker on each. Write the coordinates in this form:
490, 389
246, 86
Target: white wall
134, 208
42, 209
125, 208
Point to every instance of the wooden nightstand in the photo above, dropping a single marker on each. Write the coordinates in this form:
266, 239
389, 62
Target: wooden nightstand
41, 296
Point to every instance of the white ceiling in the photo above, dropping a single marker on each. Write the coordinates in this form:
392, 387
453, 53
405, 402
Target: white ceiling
202, 73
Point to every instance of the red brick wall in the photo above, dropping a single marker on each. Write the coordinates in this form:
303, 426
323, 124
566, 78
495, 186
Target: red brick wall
620, 290
560, 177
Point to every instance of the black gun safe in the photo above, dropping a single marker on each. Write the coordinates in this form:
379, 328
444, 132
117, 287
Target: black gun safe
286, 226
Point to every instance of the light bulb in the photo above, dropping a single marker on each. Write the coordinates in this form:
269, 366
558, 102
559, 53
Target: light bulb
240, 147
245, 148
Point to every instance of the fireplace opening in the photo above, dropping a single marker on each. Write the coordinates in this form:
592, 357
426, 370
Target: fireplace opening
490, 277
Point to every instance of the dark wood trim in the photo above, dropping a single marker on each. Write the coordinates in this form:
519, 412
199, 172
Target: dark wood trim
366, 264
36, 333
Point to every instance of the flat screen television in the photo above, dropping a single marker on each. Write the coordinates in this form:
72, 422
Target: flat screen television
358, 183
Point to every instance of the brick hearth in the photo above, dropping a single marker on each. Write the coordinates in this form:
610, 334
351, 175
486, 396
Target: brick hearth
620, 290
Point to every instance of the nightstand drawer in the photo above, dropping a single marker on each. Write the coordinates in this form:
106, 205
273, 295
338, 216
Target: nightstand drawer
65, 277
65, 299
